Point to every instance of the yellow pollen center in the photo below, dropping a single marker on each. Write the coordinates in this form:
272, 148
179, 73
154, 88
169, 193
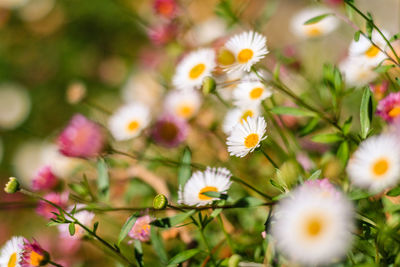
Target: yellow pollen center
394, 112
313, 31
314, 227
256, 93
196, 71
133, 126
372, 51
251, 140
245, 55
35, 258
225, 57
207, 189
12, 262
185, 111
246, 114
380, 167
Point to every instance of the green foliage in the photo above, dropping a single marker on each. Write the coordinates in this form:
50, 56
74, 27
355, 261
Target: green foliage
127, 227
317, 19
183, 256
366, 112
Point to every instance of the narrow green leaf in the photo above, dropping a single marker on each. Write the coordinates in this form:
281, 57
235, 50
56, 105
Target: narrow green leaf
366, 112
168, 222
103, 181
283, 110
95, 226
213, 194
383, 68
369, 28
347, 125
327, 138
357, 36
343, 152
309, 127
184, 256
158, 245
395, 37
316, 19
185, 170
71, 228
359, 194
315, 175
127, 227
277, 70
394, 192
138, 252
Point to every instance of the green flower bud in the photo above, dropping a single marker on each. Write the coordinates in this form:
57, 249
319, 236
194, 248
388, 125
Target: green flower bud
12, 186
160, 202
234, 260
209, 85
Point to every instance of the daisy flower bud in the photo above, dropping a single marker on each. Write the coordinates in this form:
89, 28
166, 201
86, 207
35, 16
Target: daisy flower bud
209, 85
12, 186
33, 254
141, 229
81, 138
160, 202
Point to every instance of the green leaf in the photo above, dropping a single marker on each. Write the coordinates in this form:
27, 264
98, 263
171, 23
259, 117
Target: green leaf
369, 28
366, 112
327, 138
158, 245
224, 10
315, 175
357, 36
184, 256
214, 194
317, 19
383, 68
127, 227
276, 185
246, 202
347, 125
343, 152
71, 228
283, 110
103, 181
359, 194
395, 37
277, 70
95, 226
309, 127
185, 170
168, 222
138, 252
394, 192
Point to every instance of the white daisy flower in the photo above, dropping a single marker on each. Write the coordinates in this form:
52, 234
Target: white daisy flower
193, 68
247, 48
84, 216
364, 50
211, 180
184, 104
246, 137
11, 252
356, 73
313, 225
250, 93
317, 29
128, 121
376, 163
238, 115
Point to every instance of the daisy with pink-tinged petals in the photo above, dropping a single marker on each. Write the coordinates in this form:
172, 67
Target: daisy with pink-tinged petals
389, 107
141, 229
44, 179
81, 138
46, 210
33, 254
170, 131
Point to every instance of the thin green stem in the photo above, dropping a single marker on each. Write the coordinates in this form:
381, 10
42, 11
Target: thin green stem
227, 236
203, 237
215, 92
269, 158
237, 179
55, 264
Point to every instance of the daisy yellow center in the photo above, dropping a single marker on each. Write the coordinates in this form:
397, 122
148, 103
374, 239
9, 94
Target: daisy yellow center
251, 140
185, 111
372, 51
196, 71
205, 190
133, 126
246, 114
225, 57
12, 262
394, 112
35, 258
380, 167
314, 226
313, 31
245, 55
256, 93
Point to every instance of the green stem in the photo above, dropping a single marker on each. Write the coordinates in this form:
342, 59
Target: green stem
227, 236
215, 92
203, 237
55, 264
269, 158
237, 179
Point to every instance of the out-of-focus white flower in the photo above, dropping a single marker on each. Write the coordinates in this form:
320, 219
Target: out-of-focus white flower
247, 49
207, 31
15, 105
211, 180
250, 93
313, 225
356, 72
128, 121
238, 115
246, 137
36, 9
10, 4
317, 29
184, 104
193, 68
376, 163
11, 252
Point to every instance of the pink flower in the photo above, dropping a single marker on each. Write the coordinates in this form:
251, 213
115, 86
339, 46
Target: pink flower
141, 229
44, 179
170, 131
304, 160
166, 8
379, 89
81, 138
46, 209
389, 107
162, 34
33, 254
